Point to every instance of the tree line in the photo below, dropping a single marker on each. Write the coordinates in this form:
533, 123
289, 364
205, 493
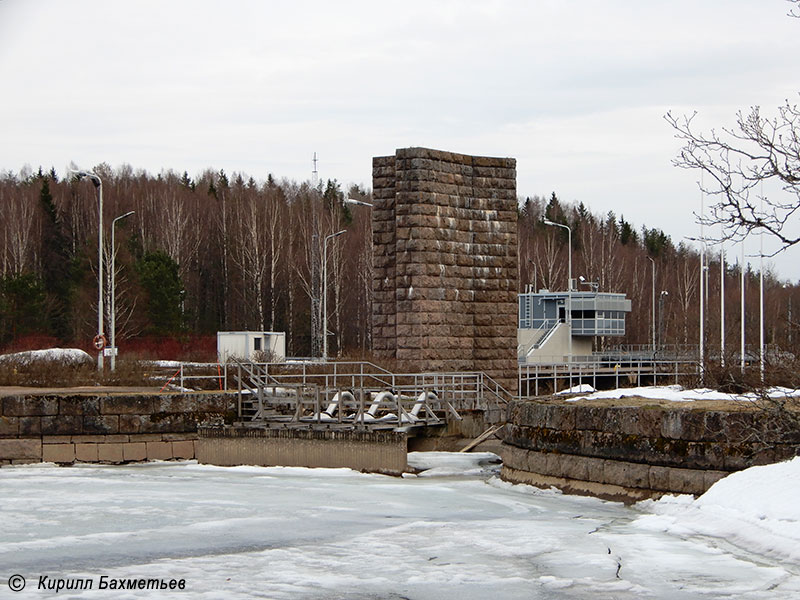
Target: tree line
222, 252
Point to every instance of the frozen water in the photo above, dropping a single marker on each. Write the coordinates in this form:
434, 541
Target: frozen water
455, 531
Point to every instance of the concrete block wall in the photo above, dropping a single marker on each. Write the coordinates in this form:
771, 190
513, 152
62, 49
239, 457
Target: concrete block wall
371, 451
104, 428
445, 278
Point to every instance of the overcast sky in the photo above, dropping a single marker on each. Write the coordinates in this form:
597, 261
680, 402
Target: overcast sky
574, 90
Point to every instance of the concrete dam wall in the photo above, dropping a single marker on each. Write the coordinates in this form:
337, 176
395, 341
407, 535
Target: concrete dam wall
638, 448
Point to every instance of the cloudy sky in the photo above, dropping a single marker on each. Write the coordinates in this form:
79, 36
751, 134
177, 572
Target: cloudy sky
575, 90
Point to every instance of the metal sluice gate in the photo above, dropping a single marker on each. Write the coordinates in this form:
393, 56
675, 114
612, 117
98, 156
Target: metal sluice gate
358, 395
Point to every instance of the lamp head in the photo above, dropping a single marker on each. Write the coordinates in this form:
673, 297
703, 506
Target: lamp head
358, 202
95, 179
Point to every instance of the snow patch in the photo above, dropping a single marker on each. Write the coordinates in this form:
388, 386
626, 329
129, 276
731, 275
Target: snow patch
66, 356
584, 388
676, 393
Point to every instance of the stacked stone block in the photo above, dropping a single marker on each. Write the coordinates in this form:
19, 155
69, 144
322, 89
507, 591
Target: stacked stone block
105, 428
445, 283
637, 445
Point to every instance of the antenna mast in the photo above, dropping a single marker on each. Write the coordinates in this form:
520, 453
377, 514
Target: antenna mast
314, 173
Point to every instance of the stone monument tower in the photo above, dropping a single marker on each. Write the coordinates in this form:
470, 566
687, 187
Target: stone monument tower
445, 253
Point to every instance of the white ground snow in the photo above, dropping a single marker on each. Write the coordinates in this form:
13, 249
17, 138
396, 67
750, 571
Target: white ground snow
583, 388
457, 533
68, 356
677, 393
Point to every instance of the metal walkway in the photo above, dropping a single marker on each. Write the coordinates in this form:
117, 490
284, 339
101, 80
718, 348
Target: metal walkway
359, 395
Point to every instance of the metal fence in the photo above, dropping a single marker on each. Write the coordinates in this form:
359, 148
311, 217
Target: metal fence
552, 377
305, 385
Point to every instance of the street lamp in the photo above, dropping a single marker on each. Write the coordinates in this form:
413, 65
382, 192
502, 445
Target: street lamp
661, 299
569, 282
370, 242
100, 338
325, 292
722, 306
114, 291
741, 349
653, 309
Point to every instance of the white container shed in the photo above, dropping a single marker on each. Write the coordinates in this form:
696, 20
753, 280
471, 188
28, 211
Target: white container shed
248, 345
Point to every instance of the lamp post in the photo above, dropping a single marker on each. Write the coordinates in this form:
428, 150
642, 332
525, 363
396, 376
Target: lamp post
325, 292
761, 306
100, 339
355, 202
761, 290
653, 308
114, 291
722, 306
569, 277
661, 299
702, 284
741, 349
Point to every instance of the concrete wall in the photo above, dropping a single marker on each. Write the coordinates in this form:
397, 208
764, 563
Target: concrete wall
104, 428
372, 451
557, 347
637, 450
445, 248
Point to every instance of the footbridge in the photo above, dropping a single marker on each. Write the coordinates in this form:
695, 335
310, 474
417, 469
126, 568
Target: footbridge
359, 395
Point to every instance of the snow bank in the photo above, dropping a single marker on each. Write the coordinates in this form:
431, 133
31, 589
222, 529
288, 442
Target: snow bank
67, 356
756, 509
676, 393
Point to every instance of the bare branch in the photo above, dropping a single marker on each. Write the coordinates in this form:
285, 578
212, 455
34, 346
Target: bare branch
737, 161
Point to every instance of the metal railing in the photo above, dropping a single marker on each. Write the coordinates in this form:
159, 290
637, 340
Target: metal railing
545, 377
200, 375
296, 387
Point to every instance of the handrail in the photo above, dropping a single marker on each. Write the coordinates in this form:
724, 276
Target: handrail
546, 337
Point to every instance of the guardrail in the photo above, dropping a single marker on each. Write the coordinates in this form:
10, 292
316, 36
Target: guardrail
308, 405
209, 375
536, 377
455, 391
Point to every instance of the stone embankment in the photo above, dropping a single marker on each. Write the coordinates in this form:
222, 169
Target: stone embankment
637, 448
108, 428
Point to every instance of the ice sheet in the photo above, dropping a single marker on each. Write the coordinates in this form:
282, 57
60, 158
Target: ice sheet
253, 532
